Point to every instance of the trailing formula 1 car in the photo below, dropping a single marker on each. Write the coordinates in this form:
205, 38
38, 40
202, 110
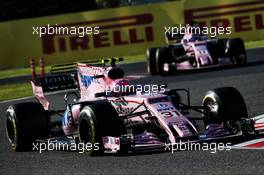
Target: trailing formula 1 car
195, 53
120, 121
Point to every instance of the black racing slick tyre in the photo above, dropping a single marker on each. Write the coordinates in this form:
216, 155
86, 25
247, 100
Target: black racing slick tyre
151, 61
235, 49
163, 57
224, 104
26, 122
96, 121
216, 49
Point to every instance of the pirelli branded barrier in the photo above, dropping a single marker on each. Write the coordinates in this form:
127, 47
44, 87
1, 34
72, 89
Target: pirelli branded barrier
246, 17
123, 31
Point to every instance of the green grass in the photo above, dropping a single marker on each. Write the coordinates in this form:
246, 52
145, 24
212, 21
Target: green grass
13, 91
19, 72
254, 44
27, 71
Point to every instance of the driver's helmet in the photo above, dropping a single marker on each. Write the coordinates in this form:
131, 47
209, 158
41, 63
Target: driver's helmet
195, 32
120, 87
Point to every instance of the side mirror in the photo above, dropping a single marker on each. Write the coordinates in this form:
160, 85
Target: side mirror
100, 94
99, 76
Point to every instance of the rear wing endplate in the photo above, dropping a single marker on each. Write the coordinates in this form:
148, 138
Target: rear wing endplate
57, 82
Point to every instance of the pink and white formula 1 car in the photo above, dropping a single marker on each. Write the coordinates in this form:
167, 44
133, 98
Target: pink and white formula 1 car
197, 53
114, 120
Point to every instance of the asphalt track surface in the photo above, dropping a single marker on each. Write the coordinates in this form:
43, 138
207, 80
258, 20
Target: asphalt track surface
248, 80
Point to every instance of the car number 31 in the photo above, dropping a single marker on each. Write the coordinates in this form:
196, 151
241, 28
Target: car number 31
167, 114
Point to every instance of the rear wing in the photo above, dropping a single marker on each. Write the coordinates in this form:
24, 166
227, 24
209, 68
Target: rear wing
57, 82
50, 84
64, 76
63, 68
72, 67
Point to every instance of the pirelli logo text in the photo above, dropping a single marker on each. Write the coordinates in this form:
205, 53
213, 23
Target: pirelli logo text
242, 16
117, 31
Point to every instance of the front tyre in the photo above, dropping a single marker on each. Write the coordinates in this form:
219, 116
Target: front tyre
96, 121
235, 49
216, 49
164, 62
223, 105
87, 131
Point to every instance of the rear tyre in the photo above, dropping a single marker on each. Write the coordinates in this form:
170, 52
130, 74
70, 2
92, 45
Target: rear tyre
96, 121
223, 105
26, 122
235, 49
151, 61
